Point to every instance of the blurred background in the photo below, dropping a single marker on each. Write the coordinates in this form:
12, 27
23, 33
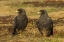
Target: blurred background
54, 8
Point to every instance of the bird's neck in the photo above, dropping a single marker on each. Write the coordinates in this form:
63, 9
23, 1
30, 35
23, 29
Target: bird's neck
45, 16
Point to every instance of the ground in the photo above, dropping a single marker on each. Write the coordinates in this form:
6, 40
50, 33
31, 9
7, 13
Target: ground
31, 33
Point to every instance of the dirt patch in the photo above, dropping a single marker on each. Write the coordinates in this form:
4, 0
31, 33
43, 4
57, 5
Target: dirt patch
46, 3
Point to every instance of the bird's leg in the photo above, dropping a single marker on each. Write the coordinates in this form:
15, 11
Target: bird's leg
14, 32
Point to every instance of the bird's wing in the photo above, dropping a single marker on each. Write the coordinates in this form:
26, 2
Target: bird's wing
15, 22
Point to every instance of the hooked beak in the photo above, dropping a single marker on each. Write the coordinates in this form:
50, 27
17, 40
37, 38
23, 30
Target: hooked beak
39, 13
16, 11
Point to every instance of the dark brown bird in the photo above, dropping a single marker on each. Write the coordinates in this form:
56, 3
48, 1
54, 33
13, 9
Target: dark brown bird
45, 24
20, 21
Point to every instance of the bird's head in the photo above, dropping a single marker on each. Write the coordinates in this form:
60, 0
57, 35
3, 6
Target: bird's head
42, 12
20, 11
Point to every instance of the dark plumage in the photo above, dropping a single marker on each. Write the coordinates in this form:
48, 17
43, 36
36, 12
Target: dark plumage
20, 21
45, 24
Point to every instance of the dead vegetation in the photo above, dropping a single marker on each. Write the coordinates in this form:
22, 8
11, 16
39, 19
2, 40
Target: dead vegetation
31, 31
46, 3
31, 34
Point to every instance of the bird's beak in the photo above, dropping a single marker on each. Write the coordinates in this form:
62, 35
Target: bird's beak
16, 11
39, 13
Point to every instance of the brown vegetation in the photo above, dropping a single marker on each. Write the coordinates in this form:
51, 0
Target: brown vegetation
46, 3
31, 34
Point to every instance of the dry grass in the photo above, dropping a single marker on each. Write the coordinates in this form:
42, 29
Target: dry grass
31, 34
8, 7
